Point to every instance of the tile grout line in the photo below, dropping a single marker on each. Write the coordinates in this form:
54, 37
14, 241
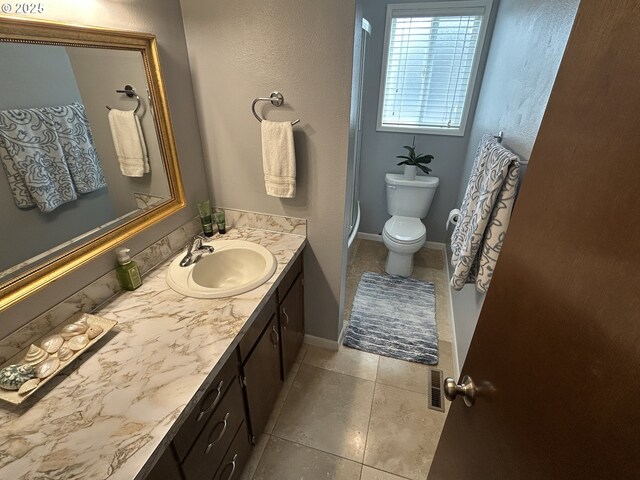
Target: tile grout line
366, 440
316, 449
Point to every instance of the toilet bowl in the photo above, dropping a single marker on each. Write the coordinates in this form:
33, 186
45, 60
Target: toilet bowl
404, 233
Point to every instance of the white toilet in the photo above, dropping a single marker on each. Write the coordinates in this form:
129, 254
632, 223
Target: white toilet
404, 234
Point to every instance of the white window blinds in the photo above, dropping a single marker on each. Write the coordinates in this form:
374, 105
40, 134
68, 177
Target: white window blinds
430, 66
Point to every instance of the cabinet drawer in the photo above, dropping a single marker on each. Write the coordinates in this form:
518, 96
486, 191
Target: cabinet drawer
251, 337
208, 451
289, 278
236, 457
197, 420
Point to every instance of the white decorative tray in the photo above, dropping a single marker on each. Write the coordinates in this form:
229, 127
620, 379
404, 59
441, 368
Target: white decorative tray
102, 325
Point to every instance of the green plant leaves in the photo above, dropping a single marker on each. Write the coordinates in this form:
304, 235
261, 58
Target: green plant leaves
419, 160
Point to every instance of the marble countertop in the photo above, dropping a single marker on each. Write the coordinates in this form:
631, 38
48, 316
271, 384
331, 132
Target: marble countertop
112, 412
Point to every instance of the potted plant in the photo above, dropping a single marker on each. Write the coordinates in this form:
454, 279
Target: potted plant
414, 161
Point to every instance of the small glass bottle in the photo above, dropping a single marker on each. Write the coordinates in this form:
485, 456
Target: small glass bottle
204, 209
127, 270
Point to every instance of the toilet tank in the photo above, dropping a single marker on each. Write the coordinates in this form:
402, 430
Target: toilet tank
410, 198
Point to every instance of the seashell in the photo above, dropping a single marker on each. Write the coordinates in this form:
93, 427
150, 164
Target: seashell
82, 322
73, 329
13, 376
65, 353
35, 355
28, 386
78, 342
46, 368
94, 331
52, 343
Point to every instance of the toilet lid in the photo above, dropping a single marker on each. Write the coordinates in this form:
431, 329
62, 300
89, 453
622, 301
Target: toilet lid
405, 229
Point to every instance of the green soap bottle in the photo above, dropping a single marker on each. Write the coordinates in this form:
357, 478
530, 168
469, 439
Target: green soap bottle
127, 270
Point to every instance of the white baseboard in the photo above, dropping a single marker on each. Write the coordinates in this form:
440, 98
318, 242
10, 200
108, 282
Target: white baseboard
374, 237
436, 246
321, 342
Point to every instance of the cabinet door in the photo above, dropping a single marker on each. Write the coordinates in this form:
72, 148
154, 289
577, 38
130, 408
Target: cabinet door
262, 377
291, 312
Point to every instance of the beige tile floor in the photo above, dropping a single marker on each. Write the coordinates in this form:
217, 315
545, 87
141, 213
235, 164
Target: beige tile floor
354, 415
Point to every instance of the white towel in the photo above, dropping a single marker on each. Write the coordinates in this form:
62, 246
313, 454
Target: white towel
484, 216
278, 159
128, 140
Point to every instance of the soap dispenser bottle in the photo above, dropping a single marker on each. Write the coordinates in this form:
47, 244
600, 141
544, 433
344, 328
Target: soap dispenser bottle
127, 270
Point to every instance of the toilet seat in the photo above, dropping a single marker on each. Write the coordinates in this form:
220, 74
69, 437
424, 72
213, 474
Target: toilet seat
405, 230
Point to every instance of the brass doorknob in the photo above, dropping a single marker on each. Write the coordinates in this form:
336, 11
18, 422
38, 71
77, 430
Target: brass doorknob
466, 389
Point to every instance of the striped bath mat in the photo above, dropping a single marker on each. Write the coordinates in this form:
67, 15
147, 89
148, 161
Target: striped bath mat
395, 317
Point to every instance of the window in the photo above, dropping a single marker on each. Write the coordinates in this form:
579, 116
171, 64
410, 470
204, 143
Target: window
431, 57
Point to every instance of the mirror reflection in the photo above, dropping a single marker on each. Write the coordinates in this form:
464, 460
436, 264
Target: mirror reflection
79, 152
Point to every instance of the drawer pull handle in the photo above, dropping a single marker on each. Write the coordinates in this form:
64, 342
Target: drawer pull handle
218, 391
233, 467
275, 338
285, 322
224, 429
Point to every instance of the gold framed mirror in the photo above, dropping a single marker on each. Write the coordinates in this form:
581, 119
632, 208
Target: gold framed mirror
86, 145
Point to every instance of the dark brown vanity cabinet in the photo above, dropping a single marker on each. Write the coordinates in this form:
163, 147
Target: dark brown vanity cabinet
268, 364
215, 440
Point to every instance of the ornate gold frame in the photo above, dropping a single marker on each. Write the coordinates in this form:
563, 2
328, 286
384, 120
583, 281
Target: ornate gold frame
54, 33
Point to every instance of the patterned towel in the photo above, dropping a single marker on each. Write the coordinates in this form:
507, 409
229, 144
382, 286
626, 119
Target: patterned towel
484, 216
74, 133
34, 161
48, 155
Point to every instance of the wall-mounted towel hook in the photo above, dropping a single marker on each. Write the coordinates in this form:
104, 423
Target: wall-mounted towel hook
499, 136
276, 99
130, 92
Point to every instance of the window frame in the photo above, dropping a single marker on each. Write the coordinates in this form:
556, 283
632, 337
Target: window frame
467, 7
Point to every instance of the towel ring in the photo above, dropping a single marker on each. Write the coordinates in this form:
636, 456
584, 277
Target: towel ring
130, 92
276, 99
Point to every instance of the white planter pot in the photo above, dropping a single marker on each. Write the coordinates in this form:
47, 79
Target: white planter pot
410, 172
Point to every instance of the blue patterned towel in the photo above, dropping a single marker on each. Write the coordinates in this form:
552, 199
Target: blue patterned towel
74, 133
34, 160
48, 155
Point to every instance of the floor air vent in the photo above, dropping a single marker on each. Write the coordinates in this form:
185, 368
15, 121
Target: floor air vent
435, 398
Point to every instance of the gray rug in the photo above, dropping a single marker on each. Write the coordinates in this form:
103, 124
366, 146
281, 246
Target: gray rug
395, 317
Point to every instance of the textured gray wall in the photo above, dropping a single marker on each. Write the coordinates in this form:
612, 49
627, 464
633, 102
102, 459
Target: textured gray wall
379, 149
162, 18
528, 42
245, 49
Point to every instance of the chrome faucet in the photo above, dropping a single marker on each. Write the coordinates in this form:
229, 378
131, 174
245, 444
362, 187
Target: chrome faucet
195, 249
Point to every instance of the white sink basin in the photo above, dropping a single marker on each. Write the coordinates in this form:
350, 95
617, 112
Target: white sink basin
234, 267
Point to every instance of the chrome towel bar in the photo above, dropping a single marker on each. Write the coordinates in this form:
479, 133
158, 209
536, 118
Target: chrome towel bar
276, 99
130, 92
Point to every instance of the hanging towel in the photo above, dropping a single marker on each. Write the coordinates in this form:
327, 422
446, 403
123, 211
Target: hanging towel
278, 159
74, 133
484, 216
33, 160
128, 140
